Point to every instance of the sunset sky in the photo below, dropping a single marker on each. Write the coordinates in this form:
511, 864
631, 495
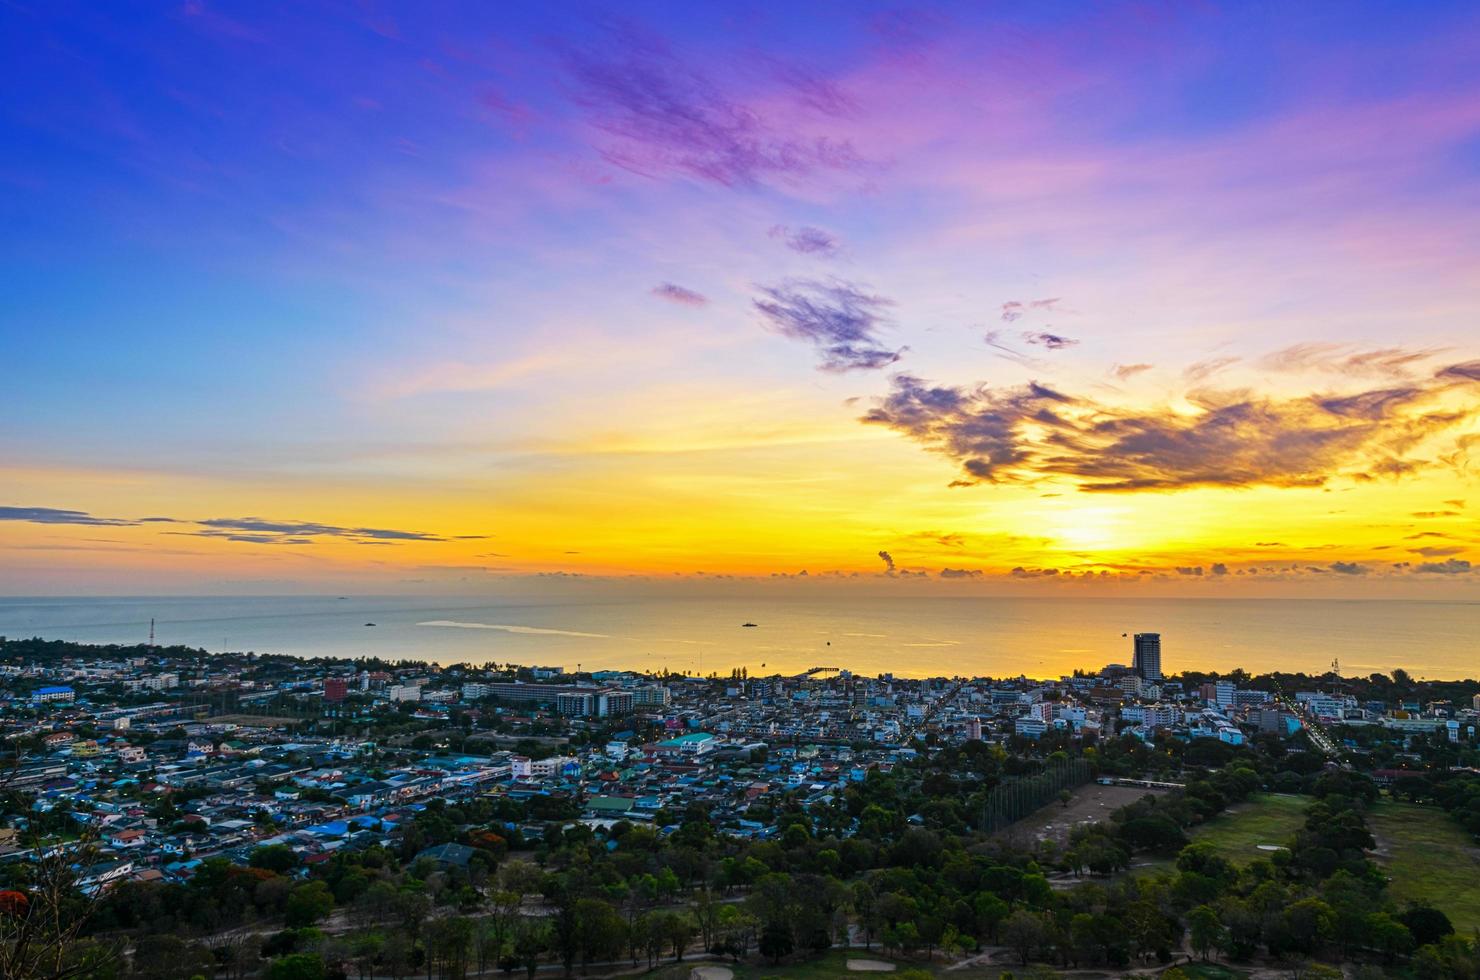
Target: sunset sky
968, 298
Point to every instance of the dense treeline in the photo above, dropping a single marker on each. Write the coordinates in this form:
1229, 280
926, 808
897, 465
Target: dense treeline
895, 861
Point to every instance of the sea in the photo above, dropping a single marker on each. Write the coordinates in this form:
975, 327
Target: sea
904, 636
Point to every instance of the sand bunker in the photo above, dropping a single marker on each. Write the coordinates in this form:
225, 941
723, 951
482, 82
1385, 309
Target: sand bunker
871, 966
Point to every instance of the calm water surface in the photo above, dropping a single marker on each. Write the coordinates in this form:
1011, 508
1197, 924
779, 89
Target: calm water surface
910, 636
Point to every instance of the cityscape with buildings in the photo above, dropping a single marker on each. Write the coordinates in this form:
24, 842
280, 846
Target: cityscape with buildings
322, 756
714, 490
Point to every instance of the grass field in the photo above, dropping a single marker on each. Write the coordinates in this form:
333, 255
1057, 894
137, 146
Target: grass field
1265, 818
1429, 859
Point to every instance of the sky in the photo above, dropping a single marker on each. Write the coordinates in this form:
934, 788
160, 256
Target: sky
1142, 298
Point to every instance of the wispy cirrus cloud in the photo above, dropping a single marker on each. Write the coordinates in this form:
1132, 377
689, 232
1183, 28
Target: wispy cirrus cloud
675, 293
807, 240
253, 530
1234, 439
663, 115
1390, 362
309, 529
839, 319
1014, 310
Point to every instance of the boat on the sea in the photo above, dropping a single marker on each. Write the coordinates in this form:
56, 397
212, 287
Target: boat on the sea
369, 624
748, 625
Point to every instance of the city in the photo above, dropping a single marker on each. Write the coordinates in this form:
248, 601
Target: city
716, 490
144, 768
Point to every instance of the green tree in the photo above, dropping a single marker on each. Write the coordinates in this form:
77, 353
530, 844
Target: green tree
1025, 932
297, 966
309, 903
1205, 930
776, 941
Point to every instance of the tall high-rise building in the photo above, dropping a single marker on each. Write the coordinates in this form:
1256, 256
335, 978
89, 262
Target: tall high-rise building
1147, 661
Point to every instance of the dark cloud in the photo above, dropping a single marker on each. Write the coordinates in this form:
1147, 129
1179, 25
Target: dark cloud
250, 530
888, 560
1435, 513
1052, 341
1441, 552
674, 293
1468, 371
246, 538
1348, 568
1195, 570
663, 116
262, 526
1453, 566
837, 318
1019, 434
807, 240
960, 573
1021, 572
53, 515
1219, 568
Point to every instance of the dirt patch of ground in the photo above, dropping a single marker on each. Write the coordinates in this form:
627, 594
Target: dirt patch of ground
1091, 803
871, 966
254, 721
712, 973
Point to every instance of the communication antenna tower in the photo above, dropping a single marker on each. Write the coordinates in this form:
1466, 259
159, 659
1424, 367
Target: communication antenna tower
151, 631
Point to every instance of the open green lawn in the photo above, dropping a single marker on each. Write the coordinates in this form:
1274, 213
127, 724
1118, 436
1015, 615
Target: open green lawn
1265, 818
1430, 859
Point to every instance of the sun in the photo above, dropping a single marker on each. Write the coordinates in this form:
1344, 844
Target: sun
1078, 527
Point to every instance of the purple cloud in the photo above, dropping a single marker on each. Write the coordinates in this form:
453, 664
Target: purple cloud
52, 515
665, 116
807, 240
837, 318
1014, 310
1052, 341
674, 293
1032, 432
